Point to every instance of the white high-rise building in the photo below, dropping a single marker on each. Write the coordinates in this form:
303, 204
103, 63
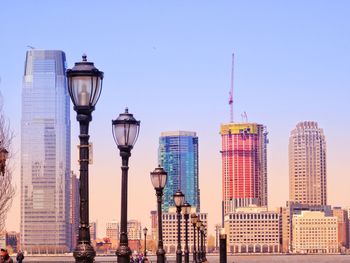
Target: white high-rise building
45, 154
307, 164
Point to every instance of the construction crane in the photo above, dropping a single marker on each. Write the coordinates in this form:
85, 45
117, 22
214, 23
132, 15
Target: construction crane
230, 100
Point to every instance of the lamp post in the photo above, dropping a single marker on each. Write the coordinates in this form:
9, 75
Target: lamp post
159, 178
179, 199
3, 157
199, 252
125, 132
194, 219
186, 210
204, 233
202, 247
145, 235
84, 86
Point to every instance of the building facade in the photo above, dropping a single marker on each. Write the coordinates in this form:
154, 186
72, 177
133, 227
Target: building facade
343, 226
287, 214
74, 219
134, 230
307, 164
154, 225
112, 230
314, 232
253, 230
178, 155
93, 233
244, 165
45, 154
169, 221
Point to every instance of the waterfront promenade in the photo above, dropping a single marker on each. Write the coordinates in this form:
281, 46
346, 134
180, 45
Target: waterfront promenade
215, 259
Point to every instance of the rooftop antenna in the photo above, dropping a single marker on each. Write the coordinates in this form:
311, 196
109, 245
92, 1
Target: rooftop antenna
230, 100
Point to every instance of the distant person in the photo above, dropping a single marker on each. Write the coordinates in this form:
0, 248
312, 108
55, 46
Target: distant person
5, 258
20, 257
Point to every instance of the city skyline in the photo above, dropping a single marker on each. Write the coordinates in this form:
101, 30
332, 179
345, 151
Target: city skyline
290, 67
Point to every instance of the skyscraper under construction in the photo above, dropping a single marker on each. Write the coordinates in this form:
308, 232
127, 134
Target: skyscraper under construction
244, 165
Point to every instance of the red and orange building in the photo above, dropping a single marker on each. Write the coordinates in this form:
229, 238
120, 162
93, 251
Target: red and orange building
244, 165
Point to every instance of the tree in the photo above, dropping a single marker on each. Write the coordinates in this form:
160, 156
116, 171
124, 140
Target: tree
211, 243
7, 189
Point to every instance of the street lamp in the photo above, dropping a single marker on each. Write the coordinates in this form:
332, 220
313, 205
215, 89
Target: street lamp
199, 252
205, 243
186, 210
204, 232
84, 86
145, 234
179, 199
159, 178
3, 157
194, 219
125, 132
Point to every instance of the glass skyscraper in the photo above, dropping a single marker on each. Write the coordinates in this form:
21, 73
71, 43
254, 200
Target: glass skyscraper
178, 155
45, 154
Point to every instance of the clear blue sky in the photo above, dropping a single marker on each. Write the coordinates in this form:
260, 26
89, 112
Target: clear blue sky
169, 61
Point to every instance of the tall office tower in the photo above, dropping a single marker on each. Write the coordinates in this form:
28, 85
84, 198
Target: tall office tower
154, 225
74, 210
45, 154
307, 164
178, 155
244, 165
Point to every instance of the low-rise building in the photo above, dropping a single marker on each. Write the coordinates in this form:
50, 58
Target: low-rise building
294, 208
343, 224
112, 230
314, 232
253, 230
169, 223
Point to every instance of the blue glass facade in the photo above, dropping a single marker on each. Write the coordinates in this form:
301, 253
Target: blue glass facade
45, 154
178, 155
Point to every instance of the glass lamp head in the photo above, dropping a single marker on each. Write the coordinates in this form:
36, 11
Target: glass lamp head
186, 208
194, 219
145, 231
84, 84
179, 198
159, 178
125, 129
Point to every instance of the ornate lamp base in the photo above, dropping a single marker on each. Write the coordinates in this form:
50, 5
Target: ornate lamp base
84, 253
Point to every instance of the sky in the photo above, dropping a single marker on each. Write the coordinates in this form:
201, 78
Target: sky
170, 63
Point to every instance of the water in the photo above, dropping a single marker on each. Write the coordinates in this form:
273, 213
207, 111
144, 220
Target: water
215, 259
